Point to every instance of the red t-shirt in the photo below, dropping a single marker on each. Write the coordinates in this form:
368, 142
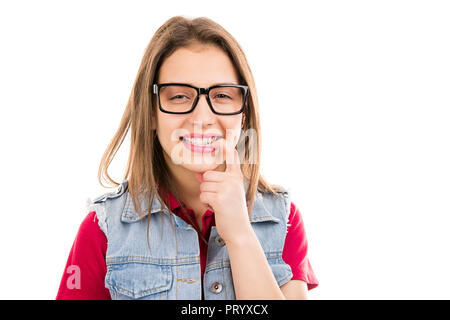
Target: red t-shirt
88, 254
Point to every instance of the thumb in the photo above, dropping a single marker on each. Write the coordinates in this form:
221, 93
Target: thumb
232, 157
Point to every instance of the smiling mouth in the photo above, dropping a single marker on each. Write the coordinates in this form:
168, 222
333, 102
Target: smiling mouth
200, 142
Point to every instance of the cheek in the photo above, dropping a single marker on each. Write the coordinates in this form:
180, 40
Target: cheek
233, 128
166, 129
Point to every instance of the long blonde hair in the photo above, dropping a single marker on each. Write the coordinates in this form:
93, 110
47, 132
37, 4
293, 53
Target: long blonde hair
147, 172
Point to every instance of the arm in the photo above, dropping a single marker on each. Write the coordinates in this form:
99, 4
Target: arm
294, 254
252, 275
295, 290
84, 274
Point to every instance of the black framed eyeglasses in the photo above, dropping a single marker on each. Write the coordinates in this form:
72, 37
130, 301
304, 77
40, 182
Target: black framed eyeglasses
180, 98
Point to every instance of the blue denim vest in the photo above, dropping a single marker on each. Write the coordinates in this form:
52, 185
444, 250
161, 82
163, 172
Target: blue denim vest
166, 265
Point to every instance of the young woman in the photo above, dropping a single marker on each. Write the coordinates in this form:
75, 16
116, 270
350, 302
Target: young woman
193, 218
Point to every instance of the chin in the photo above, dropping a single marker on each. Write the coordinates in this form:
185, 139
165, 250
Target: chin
196, 162
200, 167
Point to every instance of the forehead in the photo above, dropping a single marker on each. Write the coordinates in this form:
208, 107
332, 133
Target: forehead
198, 65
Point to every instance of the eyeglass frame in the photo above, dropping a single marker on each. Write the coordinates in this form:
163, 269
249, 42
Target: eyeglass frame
158, 86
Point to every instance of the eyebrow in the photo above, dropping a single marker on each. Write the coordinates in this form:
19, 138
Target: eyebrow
212, 85
220, 83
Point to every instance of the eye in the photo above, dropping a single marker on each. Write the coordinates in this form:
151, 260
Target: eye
178, 97
222, 96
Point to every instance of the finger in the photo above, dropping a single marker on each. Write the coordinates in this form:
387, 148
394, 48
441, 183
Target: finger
213, 175
232, 158
208, 198
209, 187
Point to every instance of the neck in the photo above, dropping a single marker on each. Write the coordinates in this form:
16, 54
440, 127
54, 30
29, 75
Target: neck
187, 183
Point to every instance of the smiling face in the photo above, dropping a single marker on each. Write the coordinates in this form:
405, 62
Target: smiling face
201, 66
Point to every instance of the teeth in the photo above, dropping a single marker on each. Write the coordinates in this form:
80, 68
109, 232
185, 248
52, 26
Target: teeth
200, 141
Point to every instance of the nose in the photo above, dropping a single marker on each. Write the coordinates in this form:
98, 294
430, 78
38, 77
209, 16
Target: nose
202, 112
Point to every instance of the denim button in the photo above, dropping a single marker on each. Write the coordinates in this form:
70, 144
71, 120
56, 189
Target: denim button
219, 241
119, 189
216, 287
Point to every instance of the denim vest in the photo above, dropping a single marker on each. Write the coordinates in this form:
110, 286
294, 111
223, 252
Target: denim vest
166, 265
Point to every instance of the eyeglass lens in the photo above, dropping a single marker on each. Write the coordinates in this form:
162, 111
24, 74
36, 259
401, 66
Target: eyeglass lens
175, 98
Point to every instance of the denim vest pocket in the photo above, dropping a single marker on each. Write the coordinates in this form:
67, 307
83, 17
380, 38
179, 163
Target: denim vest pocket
132, 280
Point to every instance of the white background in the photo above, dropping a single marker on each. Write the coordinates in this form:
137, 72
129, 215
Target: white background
355, 116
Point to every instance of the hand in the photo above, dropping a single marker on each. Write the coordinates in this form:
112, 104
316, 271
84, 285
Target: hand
224, 192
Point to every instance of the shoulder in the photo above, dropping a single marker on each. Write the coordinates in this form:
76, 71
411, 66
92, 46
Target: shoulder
98, 204
284, 194
271, 205
90, 236
276, 193
291, 210
294, 213
89, 226
117, 192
